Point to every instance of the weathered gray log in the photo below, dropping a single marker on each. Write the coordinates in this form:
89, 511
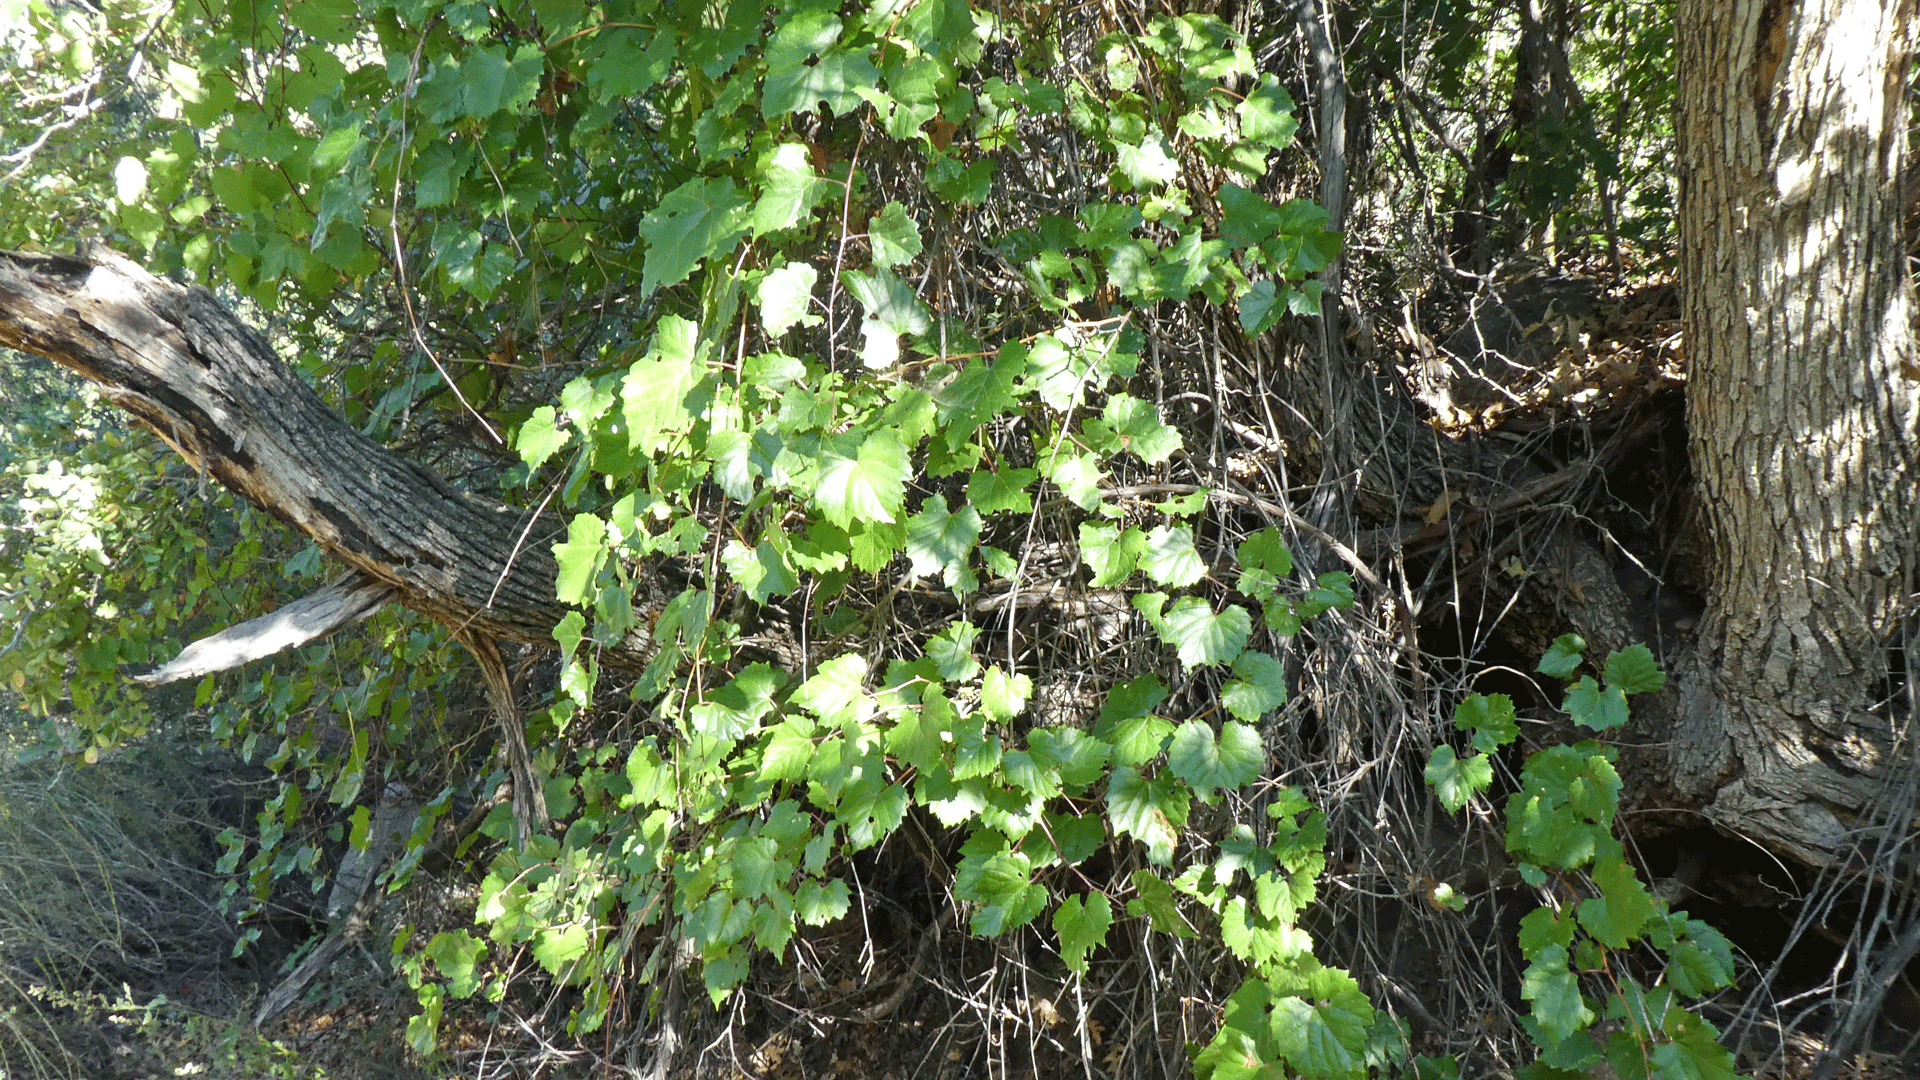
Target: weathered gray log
212, 388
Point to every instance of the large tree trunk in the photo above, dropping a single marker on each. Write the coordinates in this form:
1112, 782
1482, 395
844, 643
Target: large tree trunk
1802, 401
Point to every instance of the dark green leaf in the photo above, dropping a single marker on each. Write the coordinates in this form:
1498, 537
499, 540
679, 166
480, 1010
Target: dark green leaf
1563, 657
1082, 925
1150, 811
1633, 670
1555, 994
1260, 686
1456, 780
1207, 763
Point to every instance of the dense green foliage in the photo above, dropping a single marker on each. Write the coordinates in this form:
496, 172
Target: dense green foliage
824, 308
1560, 829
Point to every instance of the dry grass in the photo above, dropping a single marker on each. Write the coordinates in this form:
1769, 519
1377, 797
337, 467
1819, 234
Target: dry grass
107, 891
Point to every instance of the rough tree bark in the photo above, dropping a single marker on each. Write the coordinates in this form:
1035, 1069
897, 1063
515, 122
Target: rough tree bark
212, 389
1802, 403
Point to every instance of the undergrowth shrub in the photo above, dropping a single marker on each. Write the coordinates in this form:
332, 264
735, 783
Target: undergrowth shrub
1612, 972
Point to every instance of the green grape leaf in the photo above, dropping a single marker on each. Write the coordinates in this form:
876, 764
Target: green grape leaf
1076, 839
540, 438
834, 80
1150, 811
1331, 590
976, 752
968, 185
1265, 550
981, 392
653, 394
1002, 884
863, 482
818, 905
952, 651
942, 28
1157, 904
1563, 815
789, 190
874, 543
585, 402
1139, 739
789, 750
456, 953
834, 691
761, 570
939, 542
1024, 773
1260, 307
1542, 927
773, 924
1260, 688
1169, 557
652, 782
697, 220
1131, 425
1555, 992
1147, 163
1110, 553
1695, 1052
992, 492
891, 310
1082, 925
755, 864
1320, 1039
894, 237
1701, 962
952, 803
1624, 906
1136, 697
1266, 115
1563, 657
1228, 762
1491, 719
1057, 370
1257, 940
556, 947
580, 557
915, 738
1201, 636
785, 296
1456, 780
737, 467
1247, 218
1079, 757
1003, 696
1078, 477
1590, 706
1633, 670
